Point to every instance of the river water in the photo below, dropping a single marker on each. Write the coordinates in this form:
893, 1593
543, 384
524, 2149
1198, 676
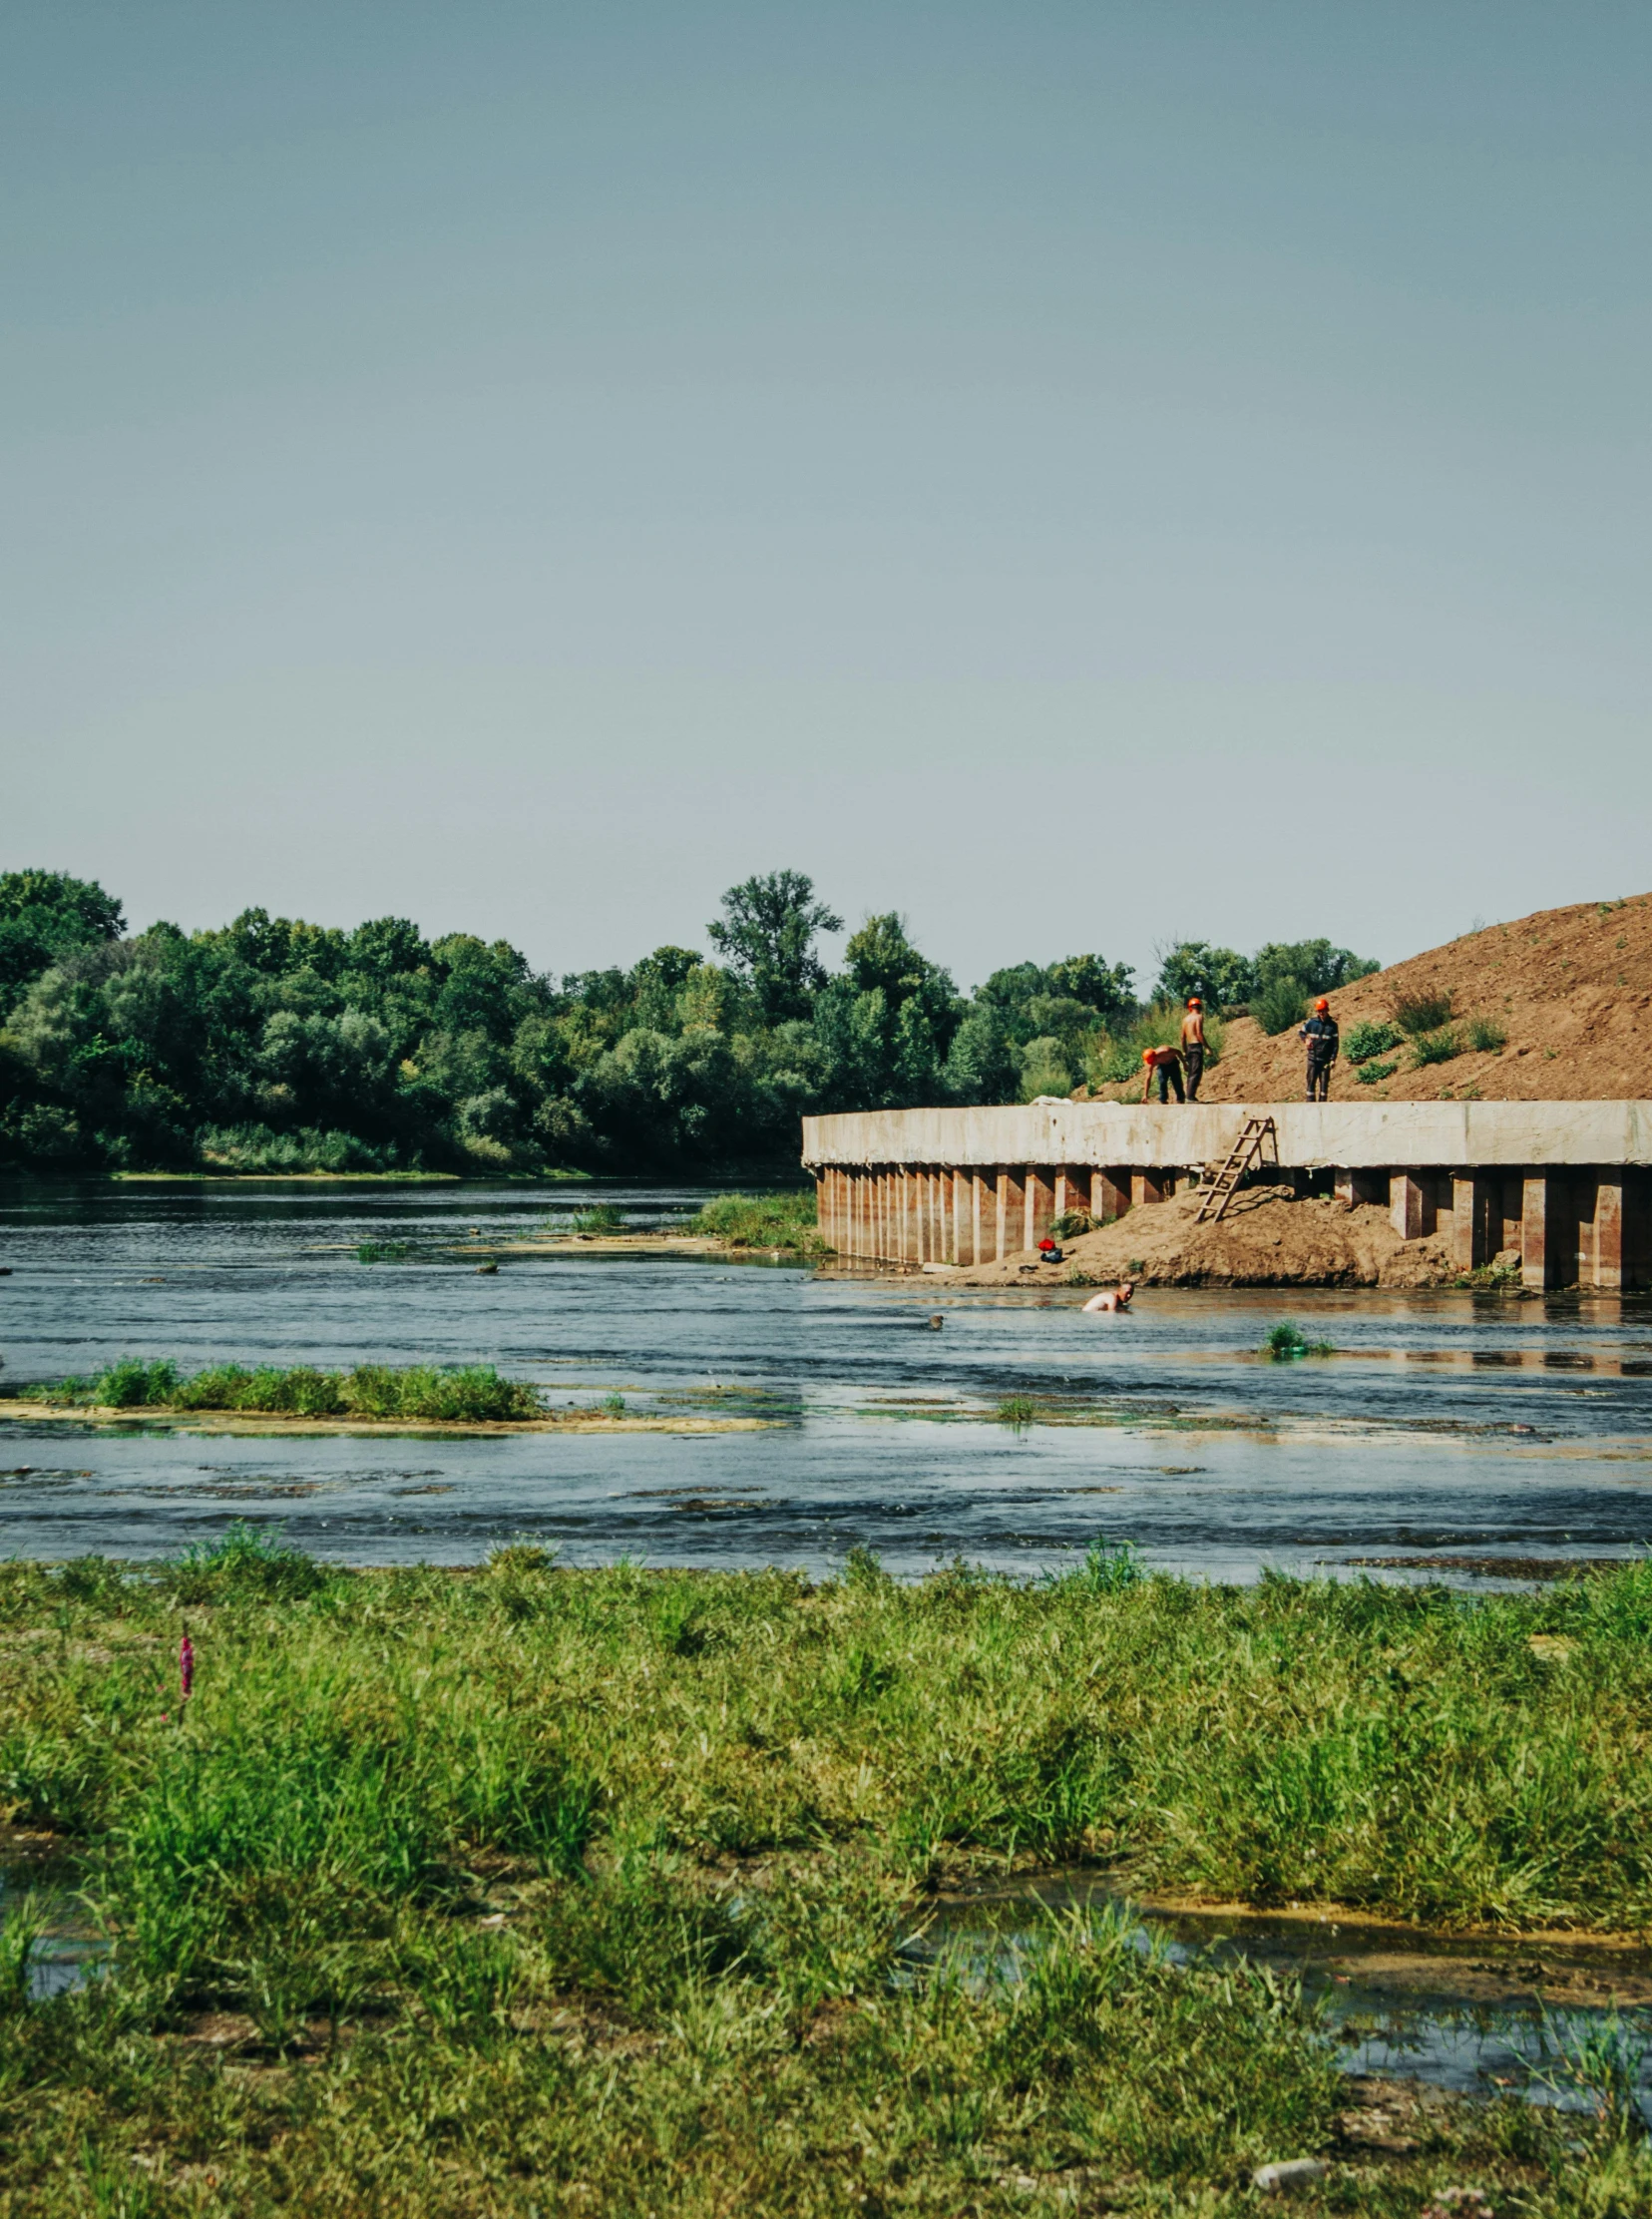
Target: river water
1447, 1425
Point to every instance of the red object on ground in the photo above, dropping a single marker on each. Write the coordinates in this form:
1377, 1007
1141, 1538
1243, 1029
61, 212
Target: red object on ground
185, 1667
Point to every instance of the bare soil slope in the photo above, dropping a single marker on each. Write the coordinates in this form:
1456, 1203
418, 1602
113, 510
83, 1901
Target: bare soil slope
1571, 988
1267, 1238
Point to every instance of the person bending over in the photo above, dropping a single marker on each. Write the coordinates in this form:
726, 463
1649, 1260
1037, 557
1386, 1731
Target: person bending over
1113, 1298
1167, 1062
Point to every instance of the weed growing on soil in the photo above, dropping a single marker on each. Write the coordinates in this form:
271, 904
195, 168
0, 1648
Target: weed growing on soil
1486, 1037
535, 1890
1434, 1047
1367, 1040
1373, 1074
1071, 1223
783, 1220
1421, 1011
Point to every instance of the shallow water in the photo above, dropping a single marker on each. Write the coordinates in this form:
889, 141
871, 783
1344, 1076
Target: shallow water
1173, 1433
1472, 2014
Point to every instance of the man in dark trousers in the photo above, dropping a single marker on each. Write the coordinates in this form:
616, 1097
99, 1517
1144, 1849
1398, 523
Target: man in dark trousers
1323, 1045
1167, 1062
1193, 1046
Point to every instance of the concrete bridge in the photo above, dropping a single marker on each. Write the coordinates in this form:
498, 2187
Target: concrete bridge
1568, 1185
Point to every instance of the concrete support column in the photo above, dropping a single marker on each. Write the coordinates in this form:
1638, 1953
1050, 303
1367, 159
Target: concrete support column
912, 1217
1072, 1190
1147, 1187
1537, 1259
983, 1216
1360, 1187
1012, 1206
963, 1244
1608, 1230
1110, 1195
1472, 1212
1407, 1204
1040, 1206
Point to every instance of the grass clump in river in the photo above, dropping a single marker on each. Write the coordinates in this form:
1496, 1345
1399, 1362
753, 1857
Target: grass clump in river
531, 1890
457, 1393
1287, 1340
782, 1221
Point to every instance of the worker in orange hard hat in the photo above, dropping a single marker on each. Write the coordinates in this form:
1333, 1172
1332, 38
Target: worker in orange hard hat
1193, 1046
1169, 1064
1324, 1047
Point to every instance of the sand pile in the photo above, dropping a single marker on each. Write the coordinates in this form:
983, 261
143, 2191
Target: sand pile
1570, 987
1267, 1238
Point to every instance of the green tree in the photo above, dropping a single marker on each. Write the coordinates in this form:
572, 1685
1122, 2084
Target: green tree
766, 935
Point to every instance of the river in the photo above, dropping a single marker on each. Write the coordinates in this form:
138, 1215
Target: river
1447, 1425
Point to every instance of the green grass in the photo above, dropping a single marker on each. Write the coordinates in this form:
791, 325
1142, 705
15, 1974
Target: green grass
1435, 1048
1287, 1340
383, 1251
1368, 1039
782, 1221
1373, 1074
1016, 1410
602, 1217
1486, 1037
698, 1814
457, 1392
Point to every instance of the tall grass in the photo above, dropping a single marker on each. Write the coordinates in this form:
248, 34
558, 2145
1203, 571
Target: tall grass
781, 1220
457, 1393
537, 1878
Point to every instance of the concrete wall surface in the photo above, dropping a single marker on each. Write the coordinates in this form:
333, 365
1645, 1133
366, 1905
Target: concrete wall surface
1352, 1135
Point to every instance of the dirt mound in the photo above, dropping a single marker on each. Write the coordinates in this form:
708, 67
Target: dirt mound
1569, 989
1267, 1238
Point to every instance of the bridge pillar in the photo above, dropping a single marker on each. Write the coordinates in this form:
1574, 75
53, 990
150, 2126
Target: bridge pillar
1539, 1260
1608, 1233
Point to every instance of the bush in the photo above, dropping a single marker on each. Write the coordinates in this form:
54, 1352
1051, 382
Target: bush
602, 1217
1282, 1005
1421, 1011
1488, 1038
762, 1221
132, 1384
1371, 1075
1434, 1047
1071, 1223
1287, 1340
1367, 1040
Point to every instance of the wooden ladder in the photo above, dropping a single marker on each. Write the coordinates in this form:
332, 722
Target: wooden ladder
1246, 1150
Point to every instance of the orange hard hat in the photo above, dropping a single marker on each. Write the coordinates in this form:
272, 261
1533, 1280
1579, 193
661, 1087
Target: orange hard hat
1195, 1003
1147, 1055
1322, 1004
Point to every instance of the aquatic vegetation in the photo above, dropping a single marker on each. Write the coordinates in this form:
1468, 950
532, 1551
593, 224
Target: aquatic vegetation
454, 1849
600, 1217
1017, 1410
1287, 1340
452, 1392
383, 1251
781, 1220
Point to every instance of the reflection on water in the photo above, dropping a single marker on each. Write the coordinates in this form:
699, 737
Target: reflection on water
1472, 2015
1457, 1424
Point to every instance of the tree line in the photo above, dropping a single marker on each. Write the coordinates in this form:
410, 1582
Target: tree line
272, 1044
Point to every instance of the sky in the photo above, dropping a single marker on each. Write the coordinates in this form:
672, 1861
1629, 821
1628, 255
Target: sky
1078, 475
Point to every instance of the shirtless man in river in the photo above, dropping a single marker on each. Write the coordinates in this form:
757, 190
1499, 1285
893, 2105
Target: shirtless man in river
1113, 1298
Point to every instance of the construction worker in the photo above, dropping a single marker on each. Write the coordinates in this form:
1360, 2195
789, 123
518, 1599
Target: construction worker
1193, 1046
1324, 1047
1167, 1062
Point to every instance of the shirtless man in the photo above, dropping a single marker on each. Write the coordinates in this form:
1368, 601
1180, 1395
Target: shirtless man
1193, 1046
1113, 1298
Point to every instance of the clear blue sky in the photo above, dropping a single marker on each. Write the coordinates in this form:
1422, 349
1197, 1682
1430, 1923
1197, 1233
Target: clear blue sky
1078, 474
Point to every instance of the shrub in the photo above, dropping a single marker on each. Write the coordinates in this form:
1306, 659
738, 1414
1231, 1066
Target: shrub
785, 1221
1434, 1047
1421, 1011
1287, 1340
1367, 1040
1017, 1410
1281, 1006
1071, 1223
1370, 1075
1486, 1037
131, 1382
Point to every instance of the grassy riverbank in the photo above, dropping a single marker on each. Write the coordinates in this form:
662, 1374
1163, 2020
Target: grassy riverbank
529, 1890
784, 1221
